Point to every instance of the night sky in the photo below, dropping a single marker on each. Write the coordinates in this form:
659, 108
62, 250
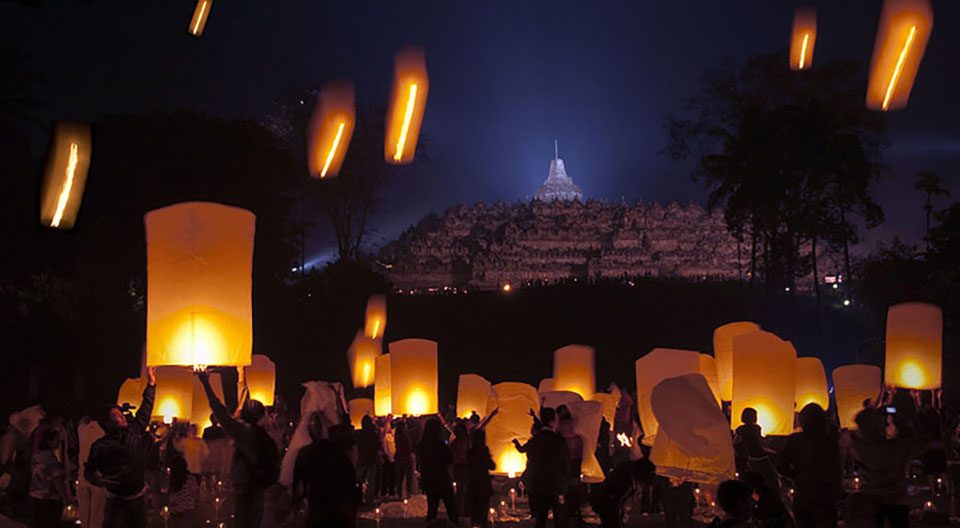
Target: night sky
506, 79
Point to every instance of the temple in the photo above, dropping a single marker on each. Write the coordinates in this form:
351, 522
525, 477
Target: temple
558, 186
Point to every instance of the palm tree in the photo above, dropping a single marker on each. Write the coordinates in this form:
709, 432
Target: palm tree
932, 185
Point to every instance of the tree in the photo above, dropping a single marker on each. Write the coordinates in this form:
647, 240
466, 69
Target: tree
931, 185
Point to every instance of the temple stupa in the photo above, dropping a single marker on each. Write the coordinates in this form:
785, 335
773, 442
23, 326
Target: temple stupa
558, 185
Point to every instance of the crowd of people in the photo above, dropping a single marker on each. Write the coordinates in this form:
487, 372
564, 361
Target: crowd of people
121, 469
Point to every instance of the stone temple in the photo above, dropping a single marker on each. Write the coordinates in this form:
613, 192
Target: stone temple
558, 185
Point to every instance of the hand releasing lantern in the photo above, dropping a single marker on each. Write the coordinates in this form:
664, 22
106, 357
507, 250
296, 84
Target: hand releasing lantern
902, 36
331, 128
409, 99
199, 19
804, 37
199, 266
573, 370
66, 175
914, 346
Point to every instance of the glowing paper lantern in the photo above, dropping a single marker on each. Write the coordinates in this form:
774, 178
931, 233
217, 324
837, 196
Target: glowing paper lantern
764, 370
330, 129
852, 384
413, 377
708, 368
902, 36
199, 19
658, 365
131, 392
362, 356
554, 399
804, 37
811, 384
66, 175
694, 441
381, 385
262, 379
573, 370
360, 407
586, 418
200, 411
511, 422
199, 266
546, 385
474, 394
610, 403
723, 352
376, 320
174, 394
914, 346
409, 98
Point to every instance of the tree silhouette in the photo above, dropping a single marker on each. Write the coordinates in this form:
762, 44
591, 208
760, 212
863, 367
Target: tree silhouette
931, 185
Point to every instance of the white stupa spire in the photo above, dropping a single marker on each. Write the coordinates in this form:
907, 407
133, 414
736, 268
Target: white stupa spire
558, 186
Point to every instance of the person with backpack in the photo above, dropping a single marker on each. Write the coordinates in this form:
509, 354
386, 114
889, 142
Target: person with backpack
255, 464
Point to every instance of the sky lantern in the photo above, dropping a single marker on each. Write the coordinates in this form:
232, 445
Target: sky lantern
408, 100
174, 394
65, 175
586, 419
546, 385
573, 370
708, 368
199, 267
261, 378
360, 407
200, 410
474, 394
804, 37
723, 352
554, 399
199, 19
330, 129
610, 403
381, 385
413, 377
376, 319
131, 392
764, 370
362, 356
694, 442
811, 386
902, 36
914, 346
513, 421
852, 385
656, 366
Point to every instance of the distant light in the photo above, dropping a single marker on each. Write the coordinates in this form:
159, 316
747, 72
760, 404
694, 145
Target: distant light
507, 287
846, 302
835, 285
786, 289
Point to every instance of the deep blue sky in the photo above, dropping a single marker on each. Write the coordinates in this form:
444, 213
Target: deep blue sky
506, 78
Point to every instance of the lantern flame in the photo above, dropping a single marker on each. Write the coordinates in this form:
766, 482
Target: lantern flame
902, 37
804, 38
330, 129
408, 99
803, 50
65, 193
407, 116
913, 373
511, 462
418, 402
199, 20
333, 149
624, 440
899, 68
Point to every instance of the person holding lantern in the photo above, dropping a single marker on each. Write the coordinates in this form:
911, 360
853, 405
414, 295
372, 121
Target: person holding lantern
117, 461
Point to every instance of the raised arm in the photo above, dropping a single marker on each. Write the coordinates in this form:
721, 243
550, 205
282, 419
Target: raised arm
229, 424
145, 411
489, 417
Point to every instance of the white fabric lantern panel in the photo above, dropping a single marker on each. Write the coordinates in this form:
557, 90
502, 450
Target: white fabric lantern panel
381, 385
262, 379
811, 384
573, 370
658, 365
764, 374
474, 395
723, 352
360, 407
513, 421
852, 385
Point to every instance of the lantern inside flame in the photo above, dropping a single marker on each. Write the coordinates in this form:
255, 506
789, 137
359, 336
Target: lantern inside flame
362, 357
66, 175
199, 19
376, 319
804, 37
902, 36
331, 128
409, 99
914, 346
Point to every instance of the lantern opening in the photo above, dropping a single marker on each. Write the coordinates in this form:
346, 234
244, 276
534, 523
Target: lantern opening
418, 402
911, 34
511, 462
168, 408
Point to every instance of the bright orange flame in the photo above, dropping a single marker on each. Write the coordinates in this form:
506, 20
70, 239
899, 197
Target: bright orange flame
365, 376
199, 17
803, 50
418, 402
506, 287
376, 328
65, 193
407, 116
899, 68
333, 149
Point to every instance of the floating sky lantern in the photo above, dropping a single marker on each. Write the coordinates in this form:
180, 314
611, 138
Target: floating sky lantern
902, 36
413, 377
381, 385
409, 98
693, 442
708, 368
66, 175
573, 370
511, 422
804, 37
914, 346
261, 378
852, 385
764, 370
131, 392
723, 352
586, 419
330, 129
360, 407
474, 395
199, 266
174, 398
199, 19
554, 399
656, 366
811, 386
362, 356
376, 319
